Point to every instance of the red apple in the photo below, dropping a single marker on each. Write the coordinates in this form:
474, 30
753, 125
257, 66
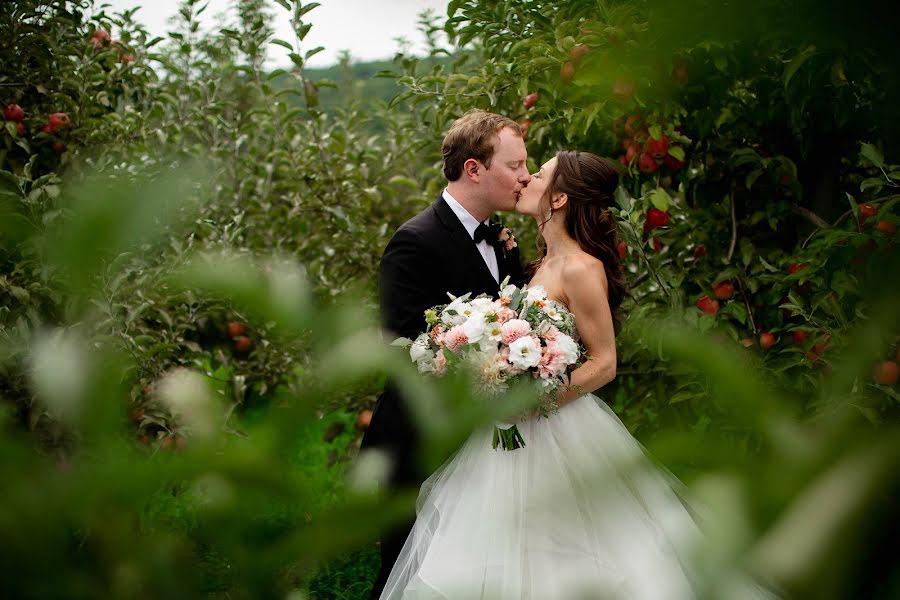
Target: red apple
672, 162
363, 420
530, 100
657, 245
59, 147
623, 160
798, 336
886, 227
14, 113
724, 290
866, 211
631, 152
708, 305
766, 340
59, 120
100, 38
699, 251
657, 148
647, 163
623, 250
579, 52
623, 88
20, 129
235, 329
126, 58
243, 343
794, 267
657, 218
886, 372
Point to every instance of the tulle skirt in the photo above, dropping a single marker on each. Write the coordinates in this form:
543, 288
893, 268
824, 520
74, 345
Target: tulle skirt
580, 512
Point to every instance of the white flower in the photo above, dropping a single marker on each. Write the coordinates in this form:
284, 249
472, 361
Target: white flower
484, 305
508, 291
552, 312
494, 331
525, 352
458, 306
490, 369
421, 349
474, 326
535, 294
567, 347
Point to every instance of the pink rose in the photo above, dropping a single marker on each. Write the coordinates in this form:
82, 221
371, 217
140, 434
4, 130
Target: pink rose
437, 334
440, 363
504, 315
455, 338
513, 330
553, 362
510, 368
551, 333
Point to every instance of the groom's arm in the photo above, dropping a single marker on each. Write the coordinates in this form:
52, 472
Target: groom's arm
405, 275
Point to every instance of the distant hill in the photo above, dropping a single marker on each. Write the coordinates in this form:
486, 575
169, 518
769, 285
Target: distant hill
355, 80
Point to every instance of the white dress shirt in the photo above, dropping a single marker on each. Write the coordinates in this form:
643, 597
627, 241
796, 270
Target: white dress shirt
471, 223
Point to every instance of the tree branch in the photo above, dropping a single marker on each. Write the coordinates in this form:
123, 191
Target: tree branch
810, 216
733, 228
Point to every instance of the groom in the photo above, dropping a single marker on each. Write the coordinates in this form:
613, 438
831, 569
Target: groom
449, 247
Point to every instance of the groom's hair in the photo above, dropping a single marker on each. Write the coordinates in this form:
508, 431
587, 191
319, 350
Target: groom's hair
473, 136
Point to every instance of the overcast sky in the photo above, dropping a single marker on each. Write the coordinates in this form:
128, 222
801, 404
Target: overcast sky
367, 28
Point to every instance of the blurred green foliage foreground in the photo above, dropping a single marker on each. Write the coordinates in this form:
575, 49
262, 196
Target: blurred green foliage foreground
252, 515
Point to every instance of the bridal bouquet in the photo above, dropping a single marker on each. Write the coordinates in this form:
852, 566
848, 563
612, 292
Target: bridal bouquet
523, 335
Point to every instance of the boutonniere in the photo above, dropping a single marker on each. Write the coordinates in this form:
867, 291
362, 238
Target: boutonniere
507, 239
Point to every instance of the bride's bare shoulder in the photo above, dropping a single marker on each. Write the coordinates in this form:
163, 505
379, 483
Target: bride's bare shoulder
578, 266
583, 275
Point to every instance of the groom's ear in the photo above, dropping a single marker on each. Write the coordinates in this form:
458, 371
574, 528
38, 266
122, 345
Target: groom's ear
471, 169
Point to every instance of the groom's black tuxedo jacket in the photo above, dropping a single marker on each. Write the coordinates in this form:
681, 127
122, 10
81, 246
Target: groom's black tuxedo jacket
428, 256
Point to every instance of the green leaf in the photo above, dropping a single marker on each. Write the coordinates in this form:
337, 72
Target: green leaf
283, 44
655, 132
875, 183
313, 52
683, 395
677, 152
660, 199
305, 9
871, 153
796, 63
752, 176
296, 59
853, 206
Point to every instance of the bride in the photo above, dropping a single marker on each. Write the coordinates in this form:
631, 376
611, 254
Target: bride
579, 512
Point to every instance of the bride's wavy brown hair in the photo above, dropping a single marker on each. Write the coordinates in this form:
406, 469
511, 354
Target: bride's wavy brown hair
590, 182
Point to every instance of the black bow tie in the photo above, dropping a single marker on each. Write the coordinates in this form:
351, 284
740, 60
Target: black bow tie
490, 232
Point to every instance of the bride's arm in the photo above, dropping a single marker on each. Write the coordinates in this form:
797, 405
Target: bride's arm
584, 282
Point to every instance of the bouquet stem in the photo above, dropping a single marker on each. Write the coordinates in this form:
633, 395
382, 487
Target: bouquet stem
508, 439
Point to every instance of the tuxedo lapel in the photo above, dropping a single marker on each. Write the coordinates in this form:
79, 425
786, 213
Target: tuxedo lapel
463, 244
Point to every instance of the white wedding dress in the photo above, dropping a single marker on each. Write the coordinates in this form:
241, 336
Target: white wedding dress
580, 512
